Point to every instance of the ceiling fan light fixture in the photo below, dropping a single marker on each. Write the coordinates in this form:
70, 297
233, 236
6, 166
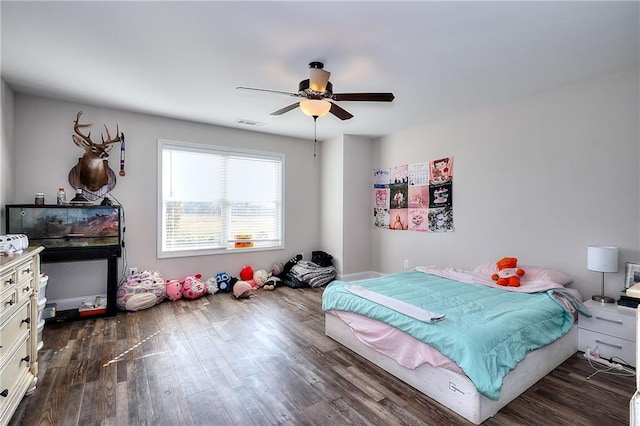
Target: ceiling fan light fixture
315, 107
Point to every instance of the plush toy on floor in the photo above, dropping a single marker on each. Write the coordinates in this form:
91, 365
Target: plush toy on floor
141, 291
174, 290
260, 277
212, 285
225, 282
271, 283
193, 287
508, 272
242, 290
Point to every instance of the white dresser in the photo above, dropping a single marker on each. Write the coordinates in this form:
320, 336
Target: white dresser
611, 331
19, 283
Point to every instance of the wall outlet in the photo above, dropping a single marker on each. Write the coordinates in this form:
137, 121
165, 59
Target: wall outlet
133, 271
406, 264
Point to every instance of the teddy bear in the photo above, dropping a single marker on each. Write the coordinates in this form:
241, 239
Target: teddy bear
508, 272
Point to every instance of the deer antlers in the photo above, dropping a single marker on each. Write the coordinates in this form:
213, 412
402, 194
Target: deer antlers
85, 140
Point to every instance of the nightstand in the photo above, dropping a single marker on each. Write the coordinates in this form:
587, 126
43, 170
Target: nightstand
611, 328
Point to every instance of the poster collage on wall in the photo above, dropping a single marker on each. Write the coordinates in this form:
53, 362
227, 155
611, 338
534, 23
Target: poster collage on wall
415, 197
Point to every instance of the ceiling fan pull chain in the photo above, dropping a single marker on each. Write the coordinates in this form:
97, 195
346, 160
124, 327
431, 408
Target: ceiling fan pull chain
315, 139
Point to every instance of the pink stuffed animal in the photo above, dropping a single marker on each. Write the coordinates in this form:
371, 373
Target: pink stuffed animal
174, 289
193, 287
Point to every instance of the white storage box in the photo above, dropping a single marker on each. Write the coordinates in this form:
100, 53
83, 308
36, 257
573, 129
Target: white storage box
44, 280
40, 329
41, 304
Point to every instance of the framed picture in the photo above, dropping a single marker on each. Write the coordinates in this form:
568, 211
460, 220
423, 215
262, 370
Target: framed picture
632, 275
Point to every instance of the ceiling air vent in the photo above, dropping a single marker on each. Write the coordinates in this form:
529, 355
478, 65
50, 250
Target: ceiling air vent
249, 122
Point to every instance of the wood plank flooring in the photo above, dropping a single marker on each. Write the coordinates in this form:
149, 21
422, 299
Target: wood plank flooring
263, 361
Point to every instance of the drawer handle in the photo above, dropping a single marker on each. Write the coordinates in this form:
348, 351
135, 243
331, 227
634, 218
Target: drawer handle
10, 302
5, 393
608, 344
27, 320
26, 289
9, 281
26, 271
26, 359
610, 320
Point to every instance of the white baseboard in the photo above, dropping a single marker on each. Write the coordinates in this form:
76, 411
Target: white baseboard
359, 276
73, 303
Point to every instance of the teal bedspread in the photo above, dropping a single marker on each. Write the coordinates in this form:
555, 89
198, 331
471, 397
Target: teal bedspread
486, 331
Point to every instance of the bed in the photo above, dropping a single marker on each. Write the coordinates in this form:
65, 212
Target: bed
451, 353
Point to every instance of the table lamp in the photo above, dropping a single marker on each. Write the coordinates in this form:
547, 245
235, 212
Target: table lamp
602, 259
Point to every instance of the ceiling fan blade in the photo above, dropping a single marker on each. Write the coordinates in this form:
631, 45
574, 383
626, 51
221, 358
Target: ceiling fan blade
369, 97
269, 91
286, 109
339, 112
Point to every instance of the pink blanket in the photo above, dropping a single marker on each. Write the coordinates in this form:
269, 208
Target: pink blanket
408, 351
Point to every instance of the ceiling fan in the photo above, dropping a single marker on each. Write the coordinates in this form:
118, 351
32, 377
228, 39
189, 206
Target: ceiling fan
317, 92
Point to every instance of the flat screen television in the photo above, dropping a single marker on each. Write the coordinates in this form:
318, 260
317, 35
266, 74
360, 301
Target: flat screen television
68, 232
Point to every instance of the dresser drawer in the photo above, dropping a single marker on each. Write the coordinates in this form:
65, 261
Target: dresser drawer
613, 324
8, 300
13, 375
24, 271
8, 280
14, 330
608, 346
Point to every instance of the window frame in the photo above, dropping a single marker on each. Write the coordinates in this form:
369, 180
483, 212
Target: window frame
219, 150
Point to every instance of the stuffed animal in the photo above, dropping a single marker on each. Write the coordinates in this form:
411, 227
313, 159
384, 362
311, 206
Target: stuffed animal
260, 277
270, 284
224, 281
141, 291
193, 287
212, 285
174, 290
508, 272
242, 290
246, 273
276, 269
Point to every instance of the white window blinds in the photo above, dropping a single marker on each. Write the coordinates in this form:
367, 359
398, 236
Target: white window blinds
215, 199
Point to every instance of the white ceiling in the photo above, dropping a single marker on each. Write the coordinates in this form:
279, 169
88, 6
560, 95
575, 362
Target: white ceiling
185, 59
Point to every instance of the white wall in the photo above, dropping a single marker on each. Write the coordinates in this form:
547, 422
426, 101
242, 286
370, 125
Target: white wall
45, 152
346, 203
539, 179
332, 200
358, 204
6, 149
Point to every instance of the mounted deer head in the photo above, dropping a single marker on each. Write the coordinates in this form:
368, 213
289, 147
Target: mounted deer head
92, 172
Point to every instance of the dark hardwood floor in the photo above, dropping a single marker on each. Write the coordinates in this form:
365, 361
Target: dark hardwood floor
263, 361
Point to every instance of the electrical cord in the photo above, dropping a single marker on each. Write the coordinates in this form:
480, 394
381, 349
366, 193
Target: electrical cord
621, 368
124, 246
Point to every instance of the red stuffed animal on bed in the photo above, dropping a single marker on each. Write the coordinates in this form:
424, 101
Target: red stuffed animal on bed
508, 273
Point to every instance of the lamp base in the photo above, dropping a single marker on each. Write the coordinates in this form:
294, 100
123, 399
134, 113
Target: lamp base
602, 299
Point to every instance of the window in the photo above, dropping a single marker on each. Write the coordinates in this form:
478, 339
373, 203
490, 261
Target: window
218, 200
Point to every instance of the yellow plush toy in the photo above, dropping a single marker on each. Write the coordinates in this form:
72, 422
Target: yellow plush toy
508, 272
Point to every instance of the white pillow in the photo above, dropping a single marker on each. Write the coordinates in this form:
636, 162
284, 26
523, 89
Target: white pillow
531, 273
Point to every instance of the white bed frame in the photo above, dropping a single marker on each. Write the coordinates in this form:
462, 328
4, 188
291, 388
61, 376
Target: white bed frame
455, 391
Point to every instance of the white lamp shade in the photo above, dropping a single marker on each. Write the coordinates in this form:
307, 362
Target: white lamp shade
602, 259
315, 107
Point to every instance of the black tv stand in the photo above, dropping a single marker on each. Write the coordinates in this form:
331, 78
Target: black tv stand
112, 289
72, 233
